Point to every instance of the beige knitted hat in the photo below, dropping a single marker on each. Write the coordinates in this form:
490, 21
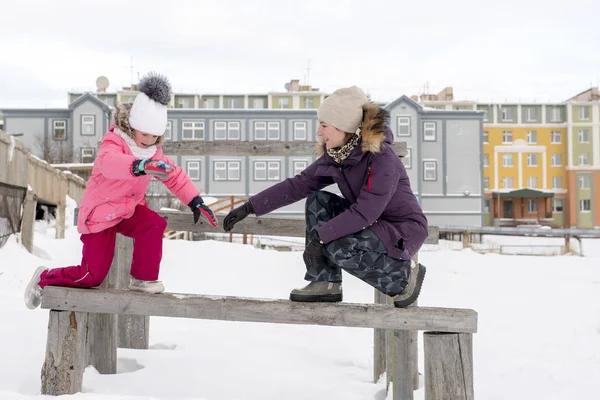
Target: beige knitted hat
343, 109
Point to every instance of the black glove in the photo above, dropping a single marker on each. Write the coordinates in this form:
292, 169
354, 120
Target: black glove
200, 209
236, 215
313, 254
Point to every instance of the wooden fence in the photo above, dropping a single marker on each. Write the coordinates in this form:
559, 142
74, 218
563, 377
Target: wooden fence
44, 184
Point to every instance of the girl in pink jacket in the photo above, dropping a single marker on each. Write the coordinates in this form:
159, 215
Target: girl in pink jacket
113, 202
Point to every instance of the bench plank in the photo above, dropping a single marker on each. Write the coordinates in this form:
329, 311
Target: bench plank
228, 308
269, 226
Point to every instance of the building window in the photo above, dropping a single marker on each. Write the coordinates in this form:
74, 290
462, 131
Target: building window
300, 130
299, 166
88, 125
558, 205
556, 160
169, 130
220, 130
556, 137
193, 170
532, 160
556, 114
192, 130
309, 102
266, 130
273, 130
486, 137
429, 129
407, 159
584, 113
486, 160
487, 205
260, 130
585, 182
532, 137
507, 137
227, 170
507, 114
532, 206
87, 155
533, 182
403, 126
584, 159
485, 114
430, 170
284, 102
183, 103
507, 182
59, 131
532, 114
267, 170
258, 103
507, 160
210, 103
227, 130
557, 182
584, 136
486, 183
585, 205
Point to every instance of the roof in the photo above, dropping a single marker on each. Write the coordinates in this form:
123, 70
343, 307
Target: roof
525, 193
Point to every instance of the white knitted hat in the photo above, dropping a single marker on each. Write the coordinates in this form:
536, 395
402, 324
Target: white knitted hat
149, 111
343, 109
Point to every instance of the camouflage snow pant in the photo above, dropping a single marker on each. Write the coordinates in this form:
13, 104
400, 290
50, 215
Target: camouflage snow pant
361, 254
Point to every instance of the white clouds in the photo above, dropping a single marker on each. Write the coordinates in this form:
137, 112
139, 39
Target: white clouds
506, 49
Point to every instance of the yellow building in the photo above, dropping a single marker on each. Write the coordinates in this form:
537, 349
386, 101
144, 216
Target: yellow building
524, 159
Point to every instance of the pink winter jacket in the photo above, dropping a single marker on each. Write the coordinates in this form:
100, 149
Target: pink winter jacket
113, 192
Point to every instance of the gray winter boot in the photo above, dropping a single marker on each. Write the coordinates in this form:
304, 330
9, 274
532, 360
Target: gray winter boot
412, 290
318, 291
138, 285
33, 291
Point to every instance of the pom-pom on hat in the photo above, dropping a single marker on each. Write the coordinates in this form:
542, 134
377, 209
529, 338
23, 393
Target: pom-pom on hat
149, 111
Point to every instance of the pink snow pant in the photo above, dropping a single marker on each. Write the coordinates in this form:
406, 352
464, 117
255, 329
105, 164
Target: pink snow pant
145, 227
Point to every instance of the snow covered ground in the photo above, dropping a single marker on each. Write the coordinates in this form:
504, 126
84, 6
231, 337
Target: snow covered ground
539, 327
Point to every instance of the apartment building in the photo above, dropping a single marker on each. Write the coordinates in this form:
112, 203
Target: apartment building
540, 160
444, 146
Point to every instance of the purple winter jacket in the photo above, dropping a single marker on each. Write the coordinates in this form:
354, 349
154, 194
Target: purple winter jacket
372, 179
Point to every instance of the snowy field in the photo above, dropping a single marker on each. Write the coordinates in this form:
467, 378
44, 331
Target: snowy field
539, 327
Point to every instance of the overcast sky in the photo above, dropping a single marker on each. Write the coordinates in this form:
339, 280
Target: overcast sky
496, 50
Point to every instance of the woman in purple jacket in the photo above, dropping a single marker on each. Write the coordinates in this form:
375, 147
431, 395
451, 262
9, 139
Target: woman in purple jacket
374, 231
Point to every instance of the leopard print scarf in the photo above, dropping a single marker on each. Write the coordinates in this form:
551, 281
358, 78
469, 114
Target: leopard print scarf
339, 154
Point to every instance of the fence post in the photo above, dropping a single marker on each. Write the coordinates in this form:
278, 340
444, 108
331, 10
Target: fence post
28, 220
61, 209
448, 366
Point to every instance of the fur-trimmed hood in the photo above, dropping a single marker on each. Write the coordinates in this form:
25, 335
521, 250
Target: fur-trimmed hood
373, 130
121, 120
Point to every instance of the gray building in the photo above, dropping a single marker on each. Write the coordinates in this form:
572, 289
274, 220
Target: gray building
444, 160
60, 135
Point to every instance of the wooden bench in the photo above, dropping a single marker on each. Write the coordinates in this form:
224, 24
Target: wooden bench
73, 342
88, 325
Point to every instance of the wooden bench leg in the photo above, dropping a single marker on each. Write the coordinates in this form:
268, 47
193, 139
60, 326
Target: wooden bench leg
102, 342
62, 372
448, 366
133, 330
403, 365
